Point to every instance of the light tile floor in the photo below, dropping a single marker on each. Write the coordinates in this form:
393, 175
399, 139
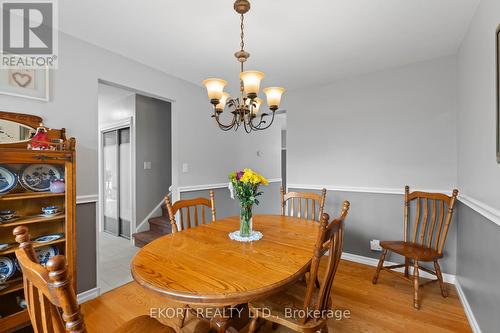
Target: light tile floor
115, 254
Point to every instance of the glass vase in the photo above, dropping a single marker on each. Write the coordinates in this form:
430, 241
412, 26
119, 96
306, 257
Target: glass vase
246, 220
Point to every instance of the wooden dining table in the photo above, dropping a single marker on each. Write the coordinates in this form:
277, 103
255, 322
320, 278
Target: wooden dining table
203, 266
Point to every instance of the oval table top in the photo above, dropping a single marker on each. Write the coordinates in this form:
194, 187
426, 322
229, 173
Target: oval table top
202, 265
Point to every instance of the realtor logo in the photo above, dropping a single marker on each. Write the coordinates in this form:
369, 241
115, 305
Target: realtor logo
29, 34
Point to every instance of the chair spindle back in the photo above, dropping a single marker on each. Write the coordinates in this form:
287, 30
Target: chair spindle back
188, 211
48, 291
330, 240
433, 215
305, 205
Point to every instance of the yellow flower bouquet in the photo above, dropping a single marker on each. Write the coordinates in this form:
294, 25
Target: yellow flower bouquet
245, 186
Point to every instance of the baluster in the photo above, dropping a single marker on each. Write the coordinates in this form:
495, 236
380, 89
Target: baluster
417, 221
440, 225
424, 222
300, 208
307, 210
188, 217
433, 222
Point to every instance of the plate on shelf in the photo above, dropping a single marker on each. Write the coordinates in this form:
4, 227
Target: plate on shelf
48, 238
7, 267
6, 246
8, 179
44, 253
37, 177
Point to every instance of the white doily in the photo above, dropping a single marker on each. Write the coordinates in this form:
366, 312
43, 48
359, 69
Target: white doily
255, 236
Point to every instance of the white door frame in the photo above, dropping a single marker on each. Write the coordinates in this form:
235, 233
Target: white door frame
175, 164
125, 123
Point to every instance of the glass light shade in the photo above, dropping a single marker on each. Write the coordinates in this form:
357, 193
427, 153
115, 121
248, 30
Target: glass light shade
215, 88
257, 102
222, 101
251, 82
273, 95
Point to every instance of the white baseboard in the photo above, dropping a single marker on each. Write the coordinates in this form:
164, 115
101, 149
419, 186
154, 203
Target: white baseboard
88, 295
468, 311
449, 278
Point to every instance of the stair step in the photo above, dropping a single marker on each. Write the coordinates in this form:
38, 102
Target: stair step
160, 224
145, 237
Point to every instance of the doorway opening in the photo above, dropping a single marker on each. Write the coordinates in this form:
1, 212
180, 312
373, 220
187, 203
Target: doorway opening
135, 174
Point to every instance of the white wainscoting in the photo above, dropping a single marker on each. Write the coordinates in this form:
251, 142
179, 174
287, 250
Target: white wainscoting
214, 186
82, 199
482, 208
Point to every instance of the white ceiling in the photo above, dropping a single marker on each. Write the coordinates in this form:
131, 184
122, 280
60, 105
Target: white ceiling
296, 43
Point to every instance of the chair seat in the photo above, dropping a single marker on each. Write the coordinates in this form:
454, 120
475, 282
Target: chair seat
292, 298
411, 250
144, 324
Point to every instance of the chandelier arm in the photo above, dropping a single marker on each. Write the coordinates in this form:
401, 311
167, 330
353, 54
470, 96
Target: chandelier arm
268, 125
221, 125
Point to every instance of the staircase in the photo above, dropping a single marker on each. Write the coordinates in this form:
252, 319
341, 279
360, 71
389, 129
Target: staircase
158, 226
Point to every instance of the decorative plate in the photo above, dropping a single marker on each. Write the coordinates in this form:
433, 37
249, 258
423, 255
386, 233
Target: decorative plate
37, 177
8, 180
45, 253
7, 267
48, 238
5, 246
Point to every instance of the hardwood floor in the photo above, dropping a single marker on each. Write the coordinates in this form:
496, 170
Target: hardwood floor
385, 307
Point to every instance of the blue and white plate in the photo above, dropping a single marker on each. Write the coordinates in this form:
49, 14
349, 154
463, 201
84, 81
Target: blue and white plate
7, 267
8, 180
48, 238
45, 253
5, 246
37, 177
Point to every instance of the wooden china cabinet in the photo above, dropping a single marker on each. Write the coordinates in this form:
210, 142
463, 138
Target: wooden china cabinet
27, 178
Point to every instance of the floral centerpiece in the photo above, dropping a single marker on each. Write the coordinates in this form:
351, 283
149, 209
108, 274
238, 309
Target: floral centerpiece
245, 186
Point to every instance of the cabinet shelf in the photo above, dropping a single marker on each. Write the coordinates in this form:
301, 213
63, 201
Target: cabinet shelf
35, 245
14, 285
33, 219
30, 195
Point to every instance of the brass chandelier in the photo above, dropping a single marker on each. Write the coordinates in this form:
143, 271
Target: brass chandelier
245, 108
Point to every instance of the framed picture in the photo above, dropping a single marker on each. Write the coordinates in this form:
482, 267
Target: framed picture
498, 91
27, 83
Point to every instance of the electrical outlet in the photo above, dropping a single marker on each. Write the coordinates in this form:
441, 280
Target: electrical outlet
147, 165
375, 245
185, 168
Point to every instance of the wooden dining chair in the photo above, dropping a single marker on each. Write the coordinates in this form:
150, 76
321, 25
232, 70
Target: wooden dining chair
303, 204
424, 240
52, 305
184, 207
301, 297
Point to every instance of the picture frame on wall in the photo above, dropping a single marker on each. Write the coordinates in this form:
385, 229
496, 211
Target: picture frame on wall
27, 83
497, 48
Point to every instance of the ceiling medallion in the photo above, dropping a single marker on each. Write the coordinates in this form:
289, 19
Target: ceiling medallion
245, 108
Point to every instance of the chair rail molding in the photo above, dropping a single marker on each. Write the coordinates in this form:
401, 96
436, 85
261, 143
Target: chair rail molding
202, 187
482, 208
83, 199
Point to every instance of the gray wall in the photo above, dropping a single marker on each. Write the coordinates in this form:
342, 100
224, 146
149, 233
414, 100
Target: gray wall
225, 206
478, 266
154, 144
86, 246
384, 129
379, 216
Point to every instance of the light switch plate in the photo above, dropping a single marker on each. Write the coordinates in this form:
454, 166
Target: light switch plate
147, 165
